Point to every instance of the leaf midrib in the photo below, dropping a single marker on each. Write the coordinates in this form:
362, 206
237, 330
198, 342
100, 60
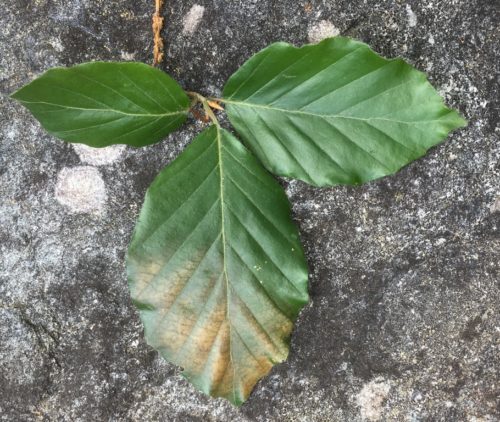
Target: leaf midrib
224, 254
324, 116
108, 110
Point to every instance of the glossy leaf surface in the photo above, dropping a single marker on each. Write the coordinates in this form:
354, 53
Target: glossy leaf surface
335, 112
101, 104
216, 268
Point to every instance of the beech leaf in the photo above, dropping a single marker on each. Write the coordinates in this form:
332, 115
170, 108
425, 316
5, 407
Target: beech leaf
336, 112
216, 268
101, 104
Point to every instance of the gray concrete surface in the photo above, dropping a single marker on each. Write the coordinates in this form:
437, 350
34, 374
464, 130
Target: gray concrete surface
404, 319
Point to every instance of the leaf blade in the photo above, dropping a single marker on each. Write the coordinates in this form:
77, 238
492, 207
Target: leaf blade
335, 112
105, 103
216, 267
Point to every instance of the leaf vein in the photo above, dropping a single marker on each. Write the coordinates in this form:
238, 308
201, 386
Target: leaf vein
142, 91
169, 259
103, 110
320, 71
251, 236
167, 311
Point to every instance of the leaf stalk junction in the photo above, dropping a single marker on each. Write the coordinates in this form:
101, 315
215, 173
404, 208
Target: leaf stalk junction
208, 104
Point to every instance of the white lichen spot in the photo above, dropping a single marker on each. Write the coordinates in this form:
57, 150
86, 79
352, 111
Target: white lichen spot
323, 29
99, 156
441, 241
12, 133
125, 55
412, 17
445, 89
57, 44
81, 189
371, 399
495, 207
192, 20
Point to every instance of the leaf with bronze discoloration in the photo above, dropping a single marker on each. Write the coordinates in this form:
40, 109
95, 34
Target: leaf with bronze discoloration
216, 268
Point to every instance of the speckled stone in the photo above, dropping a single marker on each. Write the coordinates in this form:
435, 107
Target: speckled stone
403, 323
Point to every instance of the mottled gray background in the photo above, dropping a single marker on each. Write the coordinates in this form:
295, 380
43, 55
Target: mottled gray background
404, 319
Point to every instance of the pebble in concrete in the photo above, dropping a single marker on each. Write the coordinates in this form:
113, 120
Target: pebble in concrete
321, 30
99, 156
81, 189
192, 20
371, 399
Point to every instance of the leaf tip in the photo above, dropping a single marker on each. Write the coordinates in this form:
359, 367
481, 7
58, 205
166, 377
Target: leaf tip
462, 121
456, 120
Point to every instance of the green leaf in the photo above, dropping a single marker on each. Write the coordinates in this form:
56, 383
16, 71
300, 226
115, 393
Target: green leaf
101, 104
216, 268
335, 112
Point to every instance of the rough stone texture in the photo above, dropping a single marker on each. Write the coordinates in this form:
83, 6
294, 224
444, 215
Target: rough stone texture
404, 319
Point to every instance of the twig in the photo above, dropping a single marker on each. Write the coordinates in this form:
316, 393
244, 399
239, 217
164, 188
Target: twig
158, 22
